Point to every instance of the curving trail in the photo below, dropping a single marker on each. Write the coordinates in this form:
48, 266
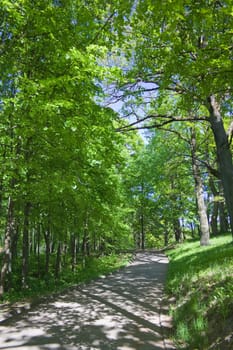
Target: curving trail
122, 311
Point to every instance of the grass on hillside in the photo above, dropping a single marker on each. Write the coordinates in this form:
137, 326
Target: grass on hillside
84, 272
200, 279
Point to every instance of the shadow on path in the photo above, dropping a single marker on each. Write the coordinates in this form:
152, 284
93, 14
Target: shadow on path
119, 312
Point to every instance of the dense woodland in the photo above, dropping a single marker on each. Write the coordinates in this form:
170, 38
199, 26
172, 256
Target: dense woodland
79, 80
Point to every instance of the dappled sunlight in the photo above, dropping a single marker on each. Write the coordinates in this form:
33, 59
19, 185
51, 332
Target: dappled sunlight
119, 312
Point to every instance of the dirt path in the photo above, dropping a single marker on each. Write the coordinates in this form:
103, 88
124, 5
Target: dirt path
120, 312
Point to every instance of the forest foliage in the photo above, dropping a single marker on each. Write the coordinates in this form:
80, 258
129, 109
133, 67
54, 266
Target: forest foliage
77, 179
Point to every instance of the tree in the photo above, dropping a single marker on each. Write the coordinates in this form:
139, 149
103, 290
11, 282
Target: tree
195, 64
61, 157
202, 211
161, 186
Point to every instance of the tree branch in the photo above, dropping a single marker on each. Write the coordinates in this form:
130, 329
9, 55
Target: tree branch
210, 169
176, 133
169, 120
102, 28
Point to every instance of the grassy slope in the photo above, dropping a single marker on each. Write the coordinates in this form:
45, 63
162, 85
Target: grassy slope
201, 281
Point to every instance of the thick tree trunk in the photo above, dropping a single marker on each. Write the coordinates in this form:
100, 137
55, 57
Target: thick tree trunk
202, 212
223, 153
7, 256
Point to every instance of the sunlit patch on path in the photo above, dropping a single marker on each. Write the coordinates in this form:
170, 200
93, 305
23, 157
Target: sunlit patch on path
120, 312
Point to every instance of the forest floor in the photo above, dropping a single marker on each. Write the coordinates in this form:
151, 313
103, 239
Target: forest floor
122, 311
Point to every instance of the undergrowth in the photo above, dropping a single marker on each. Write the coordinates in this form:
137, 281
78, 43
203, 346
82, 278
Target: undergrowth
200, 280
85, 271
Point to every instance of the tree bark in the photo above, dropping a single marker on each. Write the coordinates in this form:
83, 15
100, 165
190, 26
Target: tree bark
47, 250
221, 208
1, 200
214, 219
25, 255
176, 220
38, 249
142, 221
73, 249
142, 231
202, 212
215, 208
85, 243
166, 235
7, 255
58, 261
223, 153
177, 230
224, 224
14, 241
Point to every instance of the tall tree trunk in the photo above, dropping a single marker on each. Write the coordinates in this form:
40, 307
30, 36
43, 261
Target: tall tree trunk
214, 219
7, 256
202, 212
166, 235
86, 239
94, 242
1, 199
137, 239
176, 221
25, 254
85, 242
58, 261
14, 241
142, 230
193, 229
223, 153
214, 212
219, 207
224, 224
38, 249
142, 217
47, 250
64, 253
73, 248
177, 230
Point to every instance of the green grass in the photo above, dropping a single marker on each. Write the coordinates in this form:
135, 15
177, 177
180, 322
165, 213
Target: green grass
84, 272
201, 281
